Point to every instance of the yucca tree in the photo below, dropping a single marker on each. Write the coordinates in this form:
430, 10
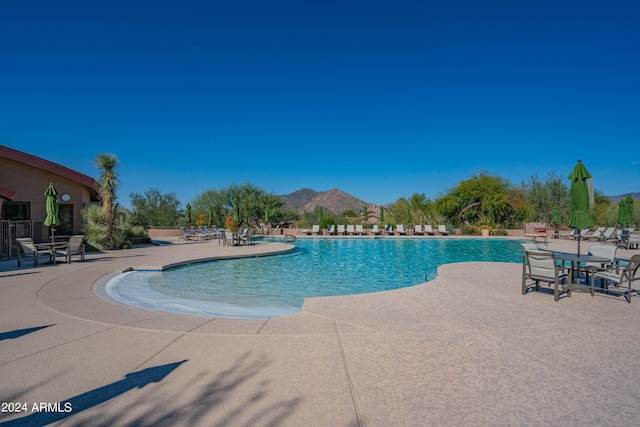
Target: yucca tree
108, 180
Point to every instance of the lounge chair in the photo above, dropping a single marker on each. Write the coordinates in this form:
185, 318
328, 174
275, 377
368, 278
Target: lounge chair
26, 249
375, 229
443, 230
417, 229
186, 235
315, 229
389, 230
539, 267
568, 234
199, 234
608, 234
350, 229
359, 229
400, 229
331, 229
341, 229
429, 230
596, 234
74, 247
628, 275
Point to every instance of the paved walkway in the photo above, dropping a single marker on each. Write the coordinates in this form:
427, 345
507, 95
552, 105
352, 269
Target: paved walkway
464, 349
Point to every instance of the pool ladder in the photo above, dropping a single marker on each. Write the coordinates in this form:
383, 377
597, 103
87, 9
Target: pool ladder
289, 239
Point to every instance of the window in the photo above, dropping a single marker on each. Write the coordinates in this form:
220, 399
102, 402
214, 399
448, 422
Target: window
65, 215
16, 211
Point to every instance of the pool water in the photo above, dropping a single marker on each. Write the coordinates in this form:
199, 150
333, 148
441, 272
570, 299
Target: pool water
275, 285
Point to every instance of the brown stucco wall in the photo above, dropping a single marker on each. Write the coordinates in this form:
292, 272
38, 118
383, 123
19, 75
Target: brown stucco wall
30, 184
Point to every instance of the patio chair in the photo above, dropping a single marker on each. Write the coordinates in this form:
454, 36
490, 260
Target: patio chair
389, 230
633, 242
443, 230
74, 247
199, 234
331, 229
375, 229
604, 251
246, 238
417, 229
429, 230
350, 229
359, 229
628, 275
539, 267
400, 229
315, 229
341, 229
26, 249
530, 246
230, 238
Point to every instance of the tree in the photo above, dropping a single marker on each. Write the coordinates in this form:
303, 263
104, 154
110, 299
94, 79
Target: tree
543, 195
105, 226
154, 208
483, 199
253, 205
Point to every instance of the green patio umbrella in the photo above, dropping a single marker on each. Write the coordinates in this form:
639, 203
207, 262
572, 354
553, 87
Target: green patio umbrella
628, 210
211, 214
365, 213
266, 215
581, 192
236, 212
622, 207
555, 218
319, 214
187, 214
408, 215
52, 209
381, 213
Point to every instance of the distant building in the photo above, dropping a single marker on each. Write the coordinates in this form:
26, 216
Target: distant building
23, 181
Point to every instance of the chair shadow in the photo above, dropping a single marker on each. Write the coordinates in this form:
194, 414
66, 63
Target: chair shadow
20, 332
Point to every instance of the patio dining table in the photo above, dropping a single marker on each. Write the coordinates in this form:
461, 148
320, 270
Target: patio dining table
576, 266
52, 247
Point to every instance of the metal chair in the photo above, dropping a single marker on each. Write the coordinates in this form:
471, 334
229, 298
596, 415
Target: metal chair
74, 247
26, 249
627, 276
541, 267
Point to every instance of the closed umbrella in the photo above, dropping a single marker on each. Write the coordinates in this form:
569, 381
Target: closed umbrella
408, 214
236, 212
381, 213
555, 218
622, 207
187, 214
628, 210
365, 213
319, 214
581, 191
211, 214
52, 209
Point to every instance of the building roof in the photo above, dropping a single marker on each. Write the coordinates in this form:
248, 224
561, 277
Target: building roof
7, 193
48, 166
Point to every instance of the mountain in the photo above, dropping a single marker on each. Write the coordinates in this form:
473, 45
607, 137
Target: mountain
616, 199
334, 200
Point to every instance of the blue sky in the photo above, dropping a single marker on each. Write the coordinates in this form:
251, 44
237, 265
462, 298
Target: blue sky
379, 99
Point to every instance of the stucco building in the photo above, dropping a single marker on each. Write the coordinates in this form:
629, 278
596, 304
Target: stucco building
23, 181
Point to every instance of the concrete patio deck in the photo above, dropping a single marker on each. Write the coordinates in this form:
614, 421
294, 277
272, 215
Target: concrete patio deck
464, 349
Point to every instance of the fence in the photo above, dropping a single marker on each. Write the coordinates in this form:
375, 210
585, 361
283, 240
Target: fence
11, 230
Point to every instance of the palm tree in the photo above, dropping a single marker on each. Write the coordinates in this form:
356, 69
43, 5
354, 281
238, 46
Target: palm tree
108, 181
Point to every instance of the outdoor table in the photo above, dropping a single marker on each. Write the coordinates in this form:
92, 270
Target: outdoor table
576, 260
51, 247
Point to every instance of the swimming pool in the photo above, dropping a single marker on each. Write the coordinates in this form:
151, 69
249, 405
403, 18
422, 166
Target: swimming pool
276, 285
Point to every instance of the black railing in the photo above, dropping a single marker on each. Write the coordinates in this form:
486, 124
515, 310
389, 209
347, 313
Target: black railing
12, 230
